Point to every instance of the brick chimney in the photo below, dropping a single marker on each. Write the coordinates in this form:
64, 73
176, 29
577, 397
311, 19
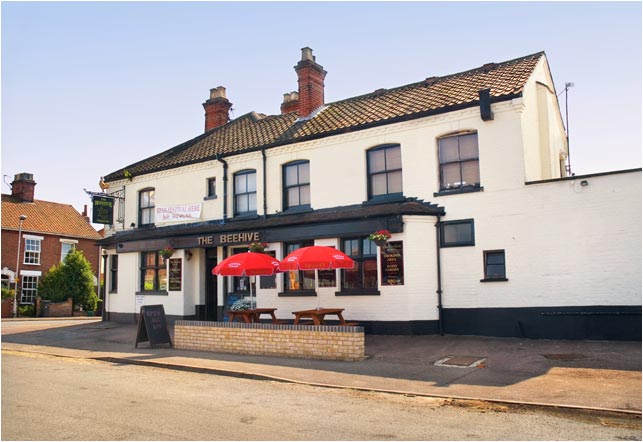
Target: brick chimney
23, 186
216, 109
311, 83
291, 103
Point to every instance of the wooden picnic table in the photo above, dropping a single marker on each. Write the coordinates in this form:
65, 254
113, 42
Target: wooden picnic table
318, 316
253, 315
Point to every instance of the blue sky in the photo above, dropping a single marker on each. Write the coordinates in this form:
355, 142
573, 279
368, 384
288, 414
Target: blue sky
90, 87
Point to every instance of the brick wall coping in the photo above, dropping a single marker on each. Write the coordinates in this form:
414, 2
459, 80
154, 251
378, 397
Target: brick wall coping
269, 326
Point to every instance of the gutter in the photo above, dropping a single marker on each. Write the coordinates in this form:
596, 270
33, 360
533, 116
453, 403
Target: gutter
225, 187
439, 269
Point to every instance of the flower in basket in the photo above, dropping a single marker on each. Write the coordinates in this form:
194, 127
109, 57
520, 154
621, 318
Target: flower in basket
258, 247
380, 235
167, 252
241, 304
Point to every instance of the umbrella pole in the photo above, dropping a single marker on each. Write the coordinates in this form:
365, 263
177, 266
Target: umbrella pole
317, 286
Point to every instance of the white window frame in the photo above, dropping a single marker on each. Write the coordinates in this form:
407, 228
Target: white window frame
35, 249
33, 288
64, 242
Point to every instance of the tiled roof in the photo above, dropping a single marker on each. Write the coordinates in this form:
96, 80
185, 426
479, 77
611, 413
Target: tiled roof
434, 95
46, 217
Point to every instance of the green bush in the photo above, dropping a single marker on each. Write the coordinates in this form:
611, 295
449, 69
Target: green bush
7, 293
73, 278
27, 310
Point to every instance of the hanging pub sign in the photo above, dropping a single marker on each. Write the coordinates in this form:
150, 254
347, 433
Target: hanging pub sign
102, 210
174, 278
392, 260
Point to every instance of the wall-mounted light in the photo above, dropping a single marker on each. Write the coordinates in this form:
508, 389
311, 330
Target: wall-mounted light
584, 183
132, 225
188, 254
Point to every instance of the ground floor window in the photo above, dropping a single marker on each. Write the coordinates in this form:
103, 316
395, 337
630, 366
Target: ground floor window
299, 280
113, 273
29, 289
364, 274
153, 272
494, 265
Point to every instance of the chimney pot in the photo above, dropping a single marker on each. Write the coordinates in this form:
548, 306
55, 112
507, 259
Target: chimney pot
311, 83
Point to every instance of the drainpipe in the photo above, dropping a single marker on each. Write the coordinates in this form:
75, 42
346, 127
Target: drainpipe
439, 290
265, 203
225, 187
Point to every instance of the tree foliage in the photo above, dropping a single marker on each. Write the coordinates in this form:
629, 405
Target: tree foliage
72, 278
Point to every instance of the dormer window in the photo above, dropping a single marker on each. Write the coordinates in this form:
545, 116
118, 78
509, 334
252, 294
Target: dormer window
459, 165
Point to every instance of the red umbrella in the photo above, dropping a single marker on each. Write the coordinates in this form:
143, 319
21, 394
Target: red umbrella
316, 258
247, 264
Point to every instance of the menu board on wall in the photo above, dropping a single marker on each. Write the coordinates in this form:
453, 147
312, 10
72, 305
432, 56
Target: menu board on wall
175, 276
392, 260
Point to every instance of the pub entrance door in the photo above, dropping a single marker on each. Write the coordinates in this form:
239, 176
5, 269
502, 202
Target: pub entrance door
210, 285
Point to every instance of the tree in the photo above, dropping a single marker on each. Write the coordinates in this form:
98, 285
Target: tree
73, 278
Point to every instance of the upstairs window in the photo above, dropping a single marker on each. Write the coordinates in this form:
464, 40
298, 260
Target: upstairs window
384, 171
66, 247
459, 166
32, 249
212, 188
494, 266
245, 192
457, 233
296, 178
146, 207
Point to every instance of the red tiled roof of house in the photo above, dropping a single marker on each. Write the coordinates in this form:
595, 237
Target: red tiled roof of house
434, 95
47, 218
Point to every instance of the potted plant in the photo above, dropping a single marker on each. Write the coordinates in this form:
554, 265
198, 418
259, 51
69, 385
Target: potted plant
258, 247
167, 252
380, 237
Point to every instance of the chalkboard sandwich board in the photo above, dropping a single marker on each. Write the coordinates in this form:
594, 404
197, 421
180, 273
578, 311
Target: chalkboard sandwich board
152, 326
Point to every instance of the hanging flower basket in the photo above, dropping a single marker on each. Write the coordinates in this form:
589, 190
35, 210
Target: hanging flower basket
380, 238
258, 247
167, 252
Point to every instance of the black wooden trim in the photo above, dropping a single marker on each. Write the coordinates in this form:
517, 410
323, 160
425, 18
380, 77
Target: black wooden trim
358, 292
294, 294
620, 323
460, 190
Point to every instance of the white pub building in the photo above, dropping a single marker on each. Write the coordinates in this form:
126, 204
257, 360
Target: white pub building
468, 172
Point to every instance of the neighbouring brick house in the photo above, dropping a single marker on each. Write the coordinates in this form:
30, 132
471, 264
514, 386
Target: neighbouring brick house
48, 231
490, 234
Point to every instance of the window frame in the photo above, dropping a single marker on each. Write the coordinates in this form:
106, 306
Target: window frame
444, 189
386, 171
113, 273
360, 258
29, 284
237, 194
210, 188
286, 187
486, 264
159, 286
67, 242
468, 243
300, 273
32, 250
147, 209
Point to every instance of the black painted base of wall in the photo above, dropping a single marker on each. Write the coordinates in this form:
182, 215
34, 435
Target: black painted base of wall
614, 323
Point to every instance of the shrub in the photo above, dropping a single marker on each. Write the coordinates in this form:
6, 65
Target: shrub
7, 293
27, 310
73, 278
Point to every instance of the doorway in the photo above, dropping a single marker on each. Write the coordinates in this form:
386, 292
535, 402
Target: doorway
210, 285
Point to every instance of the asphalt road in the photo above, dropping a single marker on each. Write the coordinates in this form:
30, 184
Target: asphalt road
51, 398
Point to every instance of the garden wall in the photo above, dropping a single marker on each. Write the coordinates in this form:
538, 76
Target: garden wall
340, 343
54, 309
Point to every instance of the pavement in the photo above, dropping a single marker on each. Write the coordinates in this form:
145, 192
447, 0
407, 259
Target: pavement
604, 376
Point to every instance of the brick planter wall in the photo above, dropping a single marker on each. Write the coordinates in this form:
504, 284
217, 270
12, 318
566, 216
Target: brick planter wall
54, 309
297, 341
